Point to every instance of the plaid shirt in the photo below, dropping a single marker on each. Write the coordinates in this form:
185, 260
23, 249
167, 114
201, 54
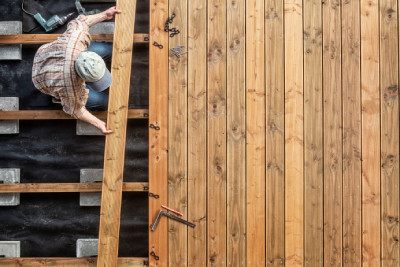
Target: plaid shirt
53, 70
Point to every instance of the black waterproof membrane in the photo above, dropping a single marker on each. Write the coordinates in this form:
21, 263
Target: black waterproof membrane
48, 225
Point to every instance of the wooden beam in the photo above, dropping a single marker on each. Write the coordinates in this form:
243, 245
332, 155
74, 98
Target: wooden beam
68, 262
216, 133
313, 135
114, 155
177, 137
275, 137
61, 115
389, 84
333, 143
158, 140
197, 132
351, 95
47, 38
371, 145
294, 250
67, 187
236, 133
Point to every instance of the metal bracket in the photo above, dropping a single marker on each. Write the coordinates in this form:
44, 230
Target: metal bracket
158, 45
155, 127
154, 195
154, 255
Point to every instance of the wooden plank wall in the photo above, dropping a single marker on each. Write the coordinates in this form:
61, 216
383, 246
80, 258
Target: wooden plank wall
283, 136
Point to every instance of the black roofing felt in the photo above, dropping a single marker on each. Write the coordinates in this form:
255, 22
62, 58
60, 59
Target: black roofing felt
48, 225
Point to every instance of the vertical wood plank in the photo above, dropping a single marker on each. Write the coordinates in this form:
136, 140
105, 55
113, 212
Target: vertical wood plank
313, 135
197, 126
236, 134
177, 136
275, 124
216, 133
389, 133
114, 155
158, 140
332, 133
294, 133
255, 133
370, 133
351, 88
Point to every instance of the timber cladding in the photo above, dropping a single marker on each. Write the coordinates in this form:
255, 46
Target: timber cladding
283, 133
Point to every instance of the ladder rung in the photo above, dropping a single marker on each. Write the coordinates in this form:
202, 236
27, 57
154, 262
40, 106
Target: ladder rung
68, 187
60, 115
47, 38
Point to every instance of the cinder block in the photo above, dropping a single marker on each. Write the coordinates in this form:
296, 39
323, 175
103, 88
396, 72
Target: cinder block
10, 249
86, 247
84, 128
90, 176
9, 176
102, 28
10, 52
7, 104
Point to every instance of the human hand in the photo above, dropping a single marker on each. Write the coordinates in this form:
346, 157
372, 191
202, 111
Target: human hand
110, 13
103, 128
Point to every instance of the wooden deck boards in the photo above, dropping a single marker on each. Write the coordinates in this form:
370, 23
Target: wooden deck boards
177, 136
158, 139
282, 130
313, 135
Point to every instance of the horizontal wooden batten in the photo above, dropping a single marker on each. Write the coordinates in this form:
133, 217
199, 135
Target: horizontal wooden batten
67, 188
81, 262
60, 115
47, 38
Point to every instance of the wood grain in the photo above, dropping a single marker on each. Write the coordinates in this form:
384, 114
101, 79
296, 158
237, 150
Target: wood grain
275, 133
158, 140
332, 93
216, 133
197, 128
67, 262
114, 154
351, 90
67, 187
61, 115
370, 133
294, 133
389, 84
313, 135
255, 133
47, 38
236, 134
177, 137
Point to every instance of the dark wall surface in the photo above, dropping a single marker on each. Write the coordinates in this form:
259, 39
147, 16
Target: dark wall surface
48, 225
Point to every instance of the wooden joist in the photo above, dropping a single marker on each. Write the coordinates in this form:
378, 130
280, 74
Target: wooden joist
68, 262
67, 187
60, 115
158, 140
47, 38
114, 154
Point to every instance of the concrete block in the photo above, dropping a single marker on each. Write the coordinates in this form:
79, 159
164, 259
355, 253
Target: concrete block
84, 128
10, 52
90, 176
10, 249
9, 176
86, 247
7, 104
102, 28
